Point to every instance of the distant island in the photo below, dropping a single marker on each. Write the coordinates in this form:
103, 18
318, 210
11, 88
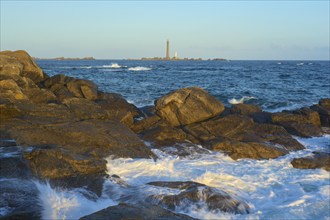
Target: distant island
175, 57
65, 58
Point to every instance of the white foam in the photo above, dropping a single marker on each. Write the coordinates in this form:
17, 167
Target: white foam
234, 101
139, 68
113, 65
67, 204
273, 187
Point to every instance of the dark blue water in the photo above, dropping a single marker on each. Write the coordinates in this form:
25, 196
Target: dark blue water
274, 85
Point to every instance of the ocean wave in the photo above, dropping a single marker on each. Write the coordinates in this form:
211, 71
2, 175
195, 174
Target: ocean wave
113, 65
139, 68
234, 101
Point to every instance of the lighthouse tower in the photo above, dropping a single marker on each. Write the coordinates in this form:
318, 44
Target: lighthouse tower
168, 50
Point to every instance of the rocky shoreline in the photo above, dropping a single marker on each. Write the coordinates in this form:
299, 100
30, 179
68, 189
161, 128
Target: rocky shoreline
65, 127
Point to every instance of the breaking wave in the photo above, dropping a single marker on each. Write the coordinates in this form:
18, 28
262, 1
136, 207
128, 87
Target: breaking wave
139, 68
234, 101
68, 204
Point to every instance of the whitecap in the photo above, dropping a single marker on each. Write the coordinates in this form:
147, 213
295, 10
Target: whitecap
234, 101
139, 68
113, 65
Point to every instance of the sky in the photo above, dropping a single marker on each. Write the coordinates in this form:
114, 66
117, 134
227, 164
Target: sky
237, 30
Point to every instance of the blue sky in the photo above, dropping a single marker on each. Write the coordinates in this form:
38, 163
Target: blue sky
279, 30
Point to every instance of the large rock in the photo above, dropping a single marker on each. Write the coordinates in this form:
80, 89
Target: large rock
193, 193
317, 160
323, 108
139, 211
21, 62
188, 105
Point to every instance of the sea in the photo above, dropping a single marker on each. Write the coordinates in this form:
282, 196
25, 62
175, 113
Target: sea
272, 188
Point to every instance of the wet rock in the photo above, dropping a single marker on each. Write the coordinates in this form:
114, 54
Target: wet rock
19, 200
303, 122
187, 106
192, 193
262, 117
240, 137
185, 150
237, 150
244, 109
273, 134
317, 160
28, 68
138, 211
323, 108
14, 167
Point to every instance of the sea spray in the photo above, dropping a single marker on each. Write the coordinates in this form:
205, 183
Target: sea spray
234, 101
68, 203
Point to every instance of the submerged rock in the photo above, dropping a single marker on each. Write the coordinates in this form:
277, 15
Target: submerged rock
317, 160
188, 105
138, 211
198, 195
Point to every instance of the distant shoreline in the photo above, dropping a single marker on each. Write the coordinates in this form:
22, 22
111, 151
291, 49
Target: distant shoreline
65, 58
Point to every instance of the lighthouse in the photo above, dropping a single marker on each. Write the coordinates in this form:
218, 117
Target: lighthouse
168, 50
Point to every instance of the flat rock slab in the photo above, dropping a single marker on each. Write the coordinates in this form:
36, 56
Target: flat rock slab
92, 137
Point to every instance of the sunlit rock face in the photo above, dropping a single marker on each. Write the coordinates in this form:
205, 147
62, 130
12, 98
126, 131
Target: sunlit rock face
188, 105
